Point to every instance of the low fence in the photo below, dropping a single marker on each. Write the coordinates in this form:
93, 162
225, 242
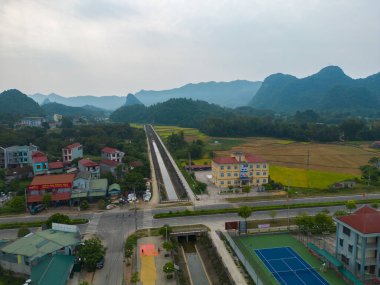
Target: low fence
247, 263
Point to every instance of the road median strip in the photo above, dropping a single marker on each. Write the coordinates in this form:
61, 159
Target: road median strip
256, 208
36, 224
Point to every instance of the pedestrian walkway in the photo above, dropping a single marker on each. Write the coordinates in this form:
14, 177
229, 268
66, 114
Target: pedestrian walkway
93, 224
228, 260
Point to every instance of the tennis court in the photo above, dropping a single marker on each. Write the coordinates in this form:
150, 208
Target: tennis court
288, 267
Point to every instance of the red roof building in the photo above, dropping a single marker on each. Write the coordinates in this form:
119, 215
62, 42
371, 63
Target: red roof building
71, 152
358, 241
111, 153
89, 166
59, 186
239, 170
365, 220
55, 165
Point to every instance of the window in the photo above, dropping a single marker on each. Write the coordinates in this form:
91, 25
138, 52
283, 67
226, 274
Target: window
235, 174
257, 181
235, 167
264, 166
222, 167
345, 260
222, 174
341, 242
264, 180
258, 173
229, 174
264, 173
228, 167
222, 182
257, 165
229, 182
251, 166
251, 174
346, 231
350, 247
38, 167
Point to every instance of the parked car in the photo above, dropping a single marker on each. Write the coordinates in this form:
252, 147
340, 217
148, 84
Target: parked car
100, 263
36, 209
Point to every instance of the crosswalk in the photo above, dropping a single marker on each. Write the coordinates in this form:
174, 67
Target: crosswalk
93, 224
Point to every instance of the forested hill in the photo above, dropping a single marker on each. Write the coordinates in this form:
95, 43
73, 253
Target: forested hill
229, 94
328, 90
14, 104
184, 112
86, 111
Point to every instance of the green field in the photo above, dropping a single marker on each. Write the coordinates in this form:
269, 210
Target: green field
190, 133
299, 177
248, 244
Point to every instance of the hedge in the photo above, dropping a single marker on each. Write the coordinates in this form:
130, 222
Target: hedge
36, 224
256, 208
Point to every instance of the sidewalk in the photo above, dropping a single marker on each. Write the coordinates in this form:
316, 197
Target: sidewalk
228, 260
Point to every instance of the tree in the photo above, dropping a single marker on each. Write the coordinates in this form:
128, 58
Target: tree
84, 283
323, 223
168, 268
46, 199
350, 205
375, 205
17, 203
339, 213
168, 245
90, 252
57, 218
84, 205
165, 231
23, 231
245, 212
247, 189
374, 161
135, 278
273, 214
305, 222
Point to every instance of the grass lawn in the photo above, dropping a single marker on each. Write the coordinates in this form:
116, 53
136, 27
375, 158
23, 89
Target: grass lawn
299, 177
248, 244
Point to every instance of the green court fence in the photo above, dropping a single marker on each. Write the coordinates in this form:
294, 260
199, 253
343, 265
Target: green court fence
258, 273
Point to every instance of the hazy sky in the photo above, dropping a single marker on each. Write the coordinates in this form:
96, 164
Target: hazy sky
99, 47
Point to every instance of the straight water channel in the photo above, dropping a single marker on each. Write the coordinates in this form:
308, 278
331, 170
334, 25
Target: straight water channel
197, 272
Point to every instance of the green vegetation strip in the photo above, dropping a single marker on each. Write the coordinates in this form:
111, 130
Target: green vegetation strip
256, 208
35, 224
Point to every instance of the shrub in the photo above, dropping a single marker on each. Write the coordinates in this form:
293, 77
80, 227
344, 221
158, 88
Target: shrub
23, 231
84, 205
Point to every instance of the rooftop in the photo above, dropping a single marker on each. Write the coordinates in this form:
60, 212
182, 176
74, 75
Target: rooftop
55, 165
87, 162
109, 162
52, 179
254, 158
225, 160
40, 159
136, 163
99, 184
110, 150
38, 244
54, 270
365, 220
74, 145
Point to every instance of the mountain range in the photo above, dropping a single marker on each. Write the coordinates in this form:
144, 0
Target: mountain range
226, 94
328, 90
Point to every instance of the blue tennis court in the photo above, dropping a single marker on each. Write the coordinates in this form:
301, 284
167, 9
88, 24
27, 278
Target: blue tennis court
288, 267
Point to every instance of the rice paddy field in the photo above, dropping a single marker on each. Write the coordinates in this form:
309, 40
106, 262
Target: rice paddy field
298, 164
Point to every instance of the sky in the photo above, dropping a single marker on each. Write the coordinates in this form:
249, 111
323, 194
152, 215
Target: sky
99, 47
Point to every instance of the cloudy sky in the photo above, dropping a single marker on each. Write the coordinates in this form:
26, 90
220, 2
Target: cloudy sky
104, 47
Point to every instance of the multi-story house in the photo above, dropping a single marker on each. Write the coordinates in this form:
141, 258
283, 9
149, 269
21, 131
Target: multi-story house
107, 165
32, 122
71, 152
89, 166
109, 153
239, 170
40, 163
17, 156
358, 242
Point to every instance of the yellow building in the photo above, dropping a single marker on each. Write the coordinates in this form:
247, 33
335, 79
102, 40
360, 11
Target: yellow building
239, 170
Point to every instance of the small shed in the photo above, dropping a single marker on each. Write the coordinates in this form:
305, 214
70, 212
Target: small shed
114, 190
